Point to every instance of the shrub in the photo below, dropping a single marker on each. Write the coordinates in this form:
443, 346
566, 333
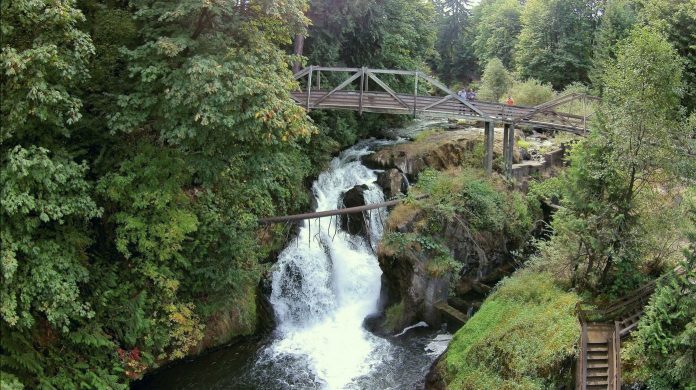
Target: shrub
530, 92
495, 81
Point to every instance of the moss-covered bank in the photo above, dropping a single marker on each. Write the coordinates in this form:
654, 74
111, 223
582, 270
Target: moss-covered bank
523, 337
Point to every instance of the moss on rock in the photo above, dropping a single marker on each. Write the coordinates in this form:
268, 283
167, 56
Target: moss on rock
523, 337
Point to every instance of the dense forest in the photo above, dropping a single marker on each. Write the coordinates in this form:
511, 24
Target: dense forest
142, 140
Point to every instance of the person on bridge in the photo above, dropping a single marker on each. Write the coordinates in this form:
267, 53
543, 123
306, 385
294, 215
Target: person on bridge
509, 101
471, 95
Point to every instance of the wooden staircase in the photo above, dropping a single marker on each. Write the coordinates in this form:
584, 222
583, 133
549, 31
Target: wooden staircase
599, 362
599, 366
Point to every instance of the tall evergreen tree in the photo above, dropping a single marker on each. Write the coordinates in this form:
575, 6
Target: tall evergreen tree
556, 41
602, 228
456, 60
617, 19
677, 21
497, 27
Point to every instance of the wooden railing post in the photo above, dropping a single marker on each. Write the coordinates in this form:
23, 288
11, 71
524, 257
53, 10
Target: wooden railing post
363, 84
415, 96
616, 377
309, 85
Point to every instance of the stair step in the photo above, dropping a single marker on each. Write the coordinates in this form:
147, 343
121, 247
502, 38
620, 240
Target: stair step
597, 382
604, 355
597, 348
596, 387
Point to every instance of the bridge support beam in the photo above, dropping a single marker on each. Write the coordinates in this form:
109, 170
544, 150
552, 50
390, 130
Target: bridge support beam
508, 147
488, 131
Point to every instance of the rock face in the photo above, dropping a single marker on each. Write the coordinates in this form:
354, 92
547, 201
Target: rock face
354, 223
393, 183
438, 151
408, 280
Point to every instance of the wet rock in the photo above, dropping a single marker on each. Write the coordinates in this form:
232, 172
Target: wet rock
434, 380
354, 223
524, 154
393, 183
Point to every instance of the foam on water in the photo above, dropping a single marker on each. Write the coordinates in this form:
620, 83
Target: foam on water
326, 282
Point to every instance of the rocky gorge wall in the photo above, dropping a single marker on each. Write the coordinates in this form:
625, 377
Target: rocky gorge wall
415, 278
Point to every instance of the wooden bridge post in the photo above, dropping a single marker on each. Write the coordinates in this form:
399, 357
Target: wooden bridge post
309, 85
489, 128
506, 146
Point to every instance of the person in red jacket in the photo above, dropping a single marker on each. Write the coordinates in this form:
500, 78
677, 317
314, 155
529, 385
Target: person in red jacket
509, 101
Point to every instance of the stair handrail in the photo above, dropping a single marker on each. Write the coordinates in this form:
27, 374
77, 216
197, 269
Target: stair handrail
611, 310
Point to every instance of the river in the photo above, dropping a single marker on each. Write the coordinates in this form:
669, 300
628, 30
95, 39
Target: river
324, 284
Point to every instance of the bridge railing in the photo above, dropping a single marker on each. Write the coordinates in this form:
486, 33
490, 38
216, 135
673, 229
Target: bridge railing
364, 76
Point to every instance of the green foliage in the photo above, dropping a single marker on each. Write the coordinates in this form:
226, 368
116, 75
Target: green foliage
45, 208
43, 56
495, 81
463, 201
664, 344
612, 206
555, 41
521, 338
530, 92
497, 26
455, 60
118, 244
618, 18
394, 315
676, 20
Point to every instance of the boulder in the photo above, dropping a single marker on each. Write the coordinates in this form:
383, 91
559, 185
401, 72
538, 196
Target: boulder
393, 183
354, 223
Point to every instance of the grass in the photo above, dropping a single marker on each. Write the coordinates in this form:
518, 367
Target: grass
521, 338
394, 315
425, 134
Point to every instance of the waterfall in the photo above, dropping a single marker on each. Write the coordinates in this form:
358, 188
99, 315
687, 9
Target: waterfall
325, 283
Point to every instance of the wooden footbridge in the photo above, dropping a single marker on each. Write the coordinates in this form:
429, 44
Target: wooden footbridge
368, 90
429, 97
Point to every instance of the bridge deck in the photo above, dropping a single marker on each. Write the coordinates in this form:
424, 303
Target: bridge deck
353, 94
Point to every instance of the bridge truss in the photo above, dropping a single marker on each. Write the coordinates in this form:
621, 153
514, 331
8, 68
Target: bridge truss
431, 98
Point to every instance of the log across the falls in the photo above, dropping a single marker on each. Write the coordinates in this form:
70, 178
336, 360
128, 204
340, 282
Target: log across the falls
329, 213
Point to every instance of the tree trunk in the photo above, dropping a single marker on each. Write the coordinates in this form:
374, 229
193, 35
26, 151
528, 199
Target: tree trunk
299, 48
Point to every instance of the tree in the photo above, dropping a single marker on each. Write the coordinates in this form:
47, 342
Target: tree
456, 60
497, 29
495, 81
666, 338
43, 56
677, 21
603, 230
131, 220
616, 22
555, 41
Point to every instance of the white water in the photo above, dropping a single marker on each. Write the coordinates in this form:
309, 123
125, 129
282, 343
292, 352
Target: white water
326, 282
